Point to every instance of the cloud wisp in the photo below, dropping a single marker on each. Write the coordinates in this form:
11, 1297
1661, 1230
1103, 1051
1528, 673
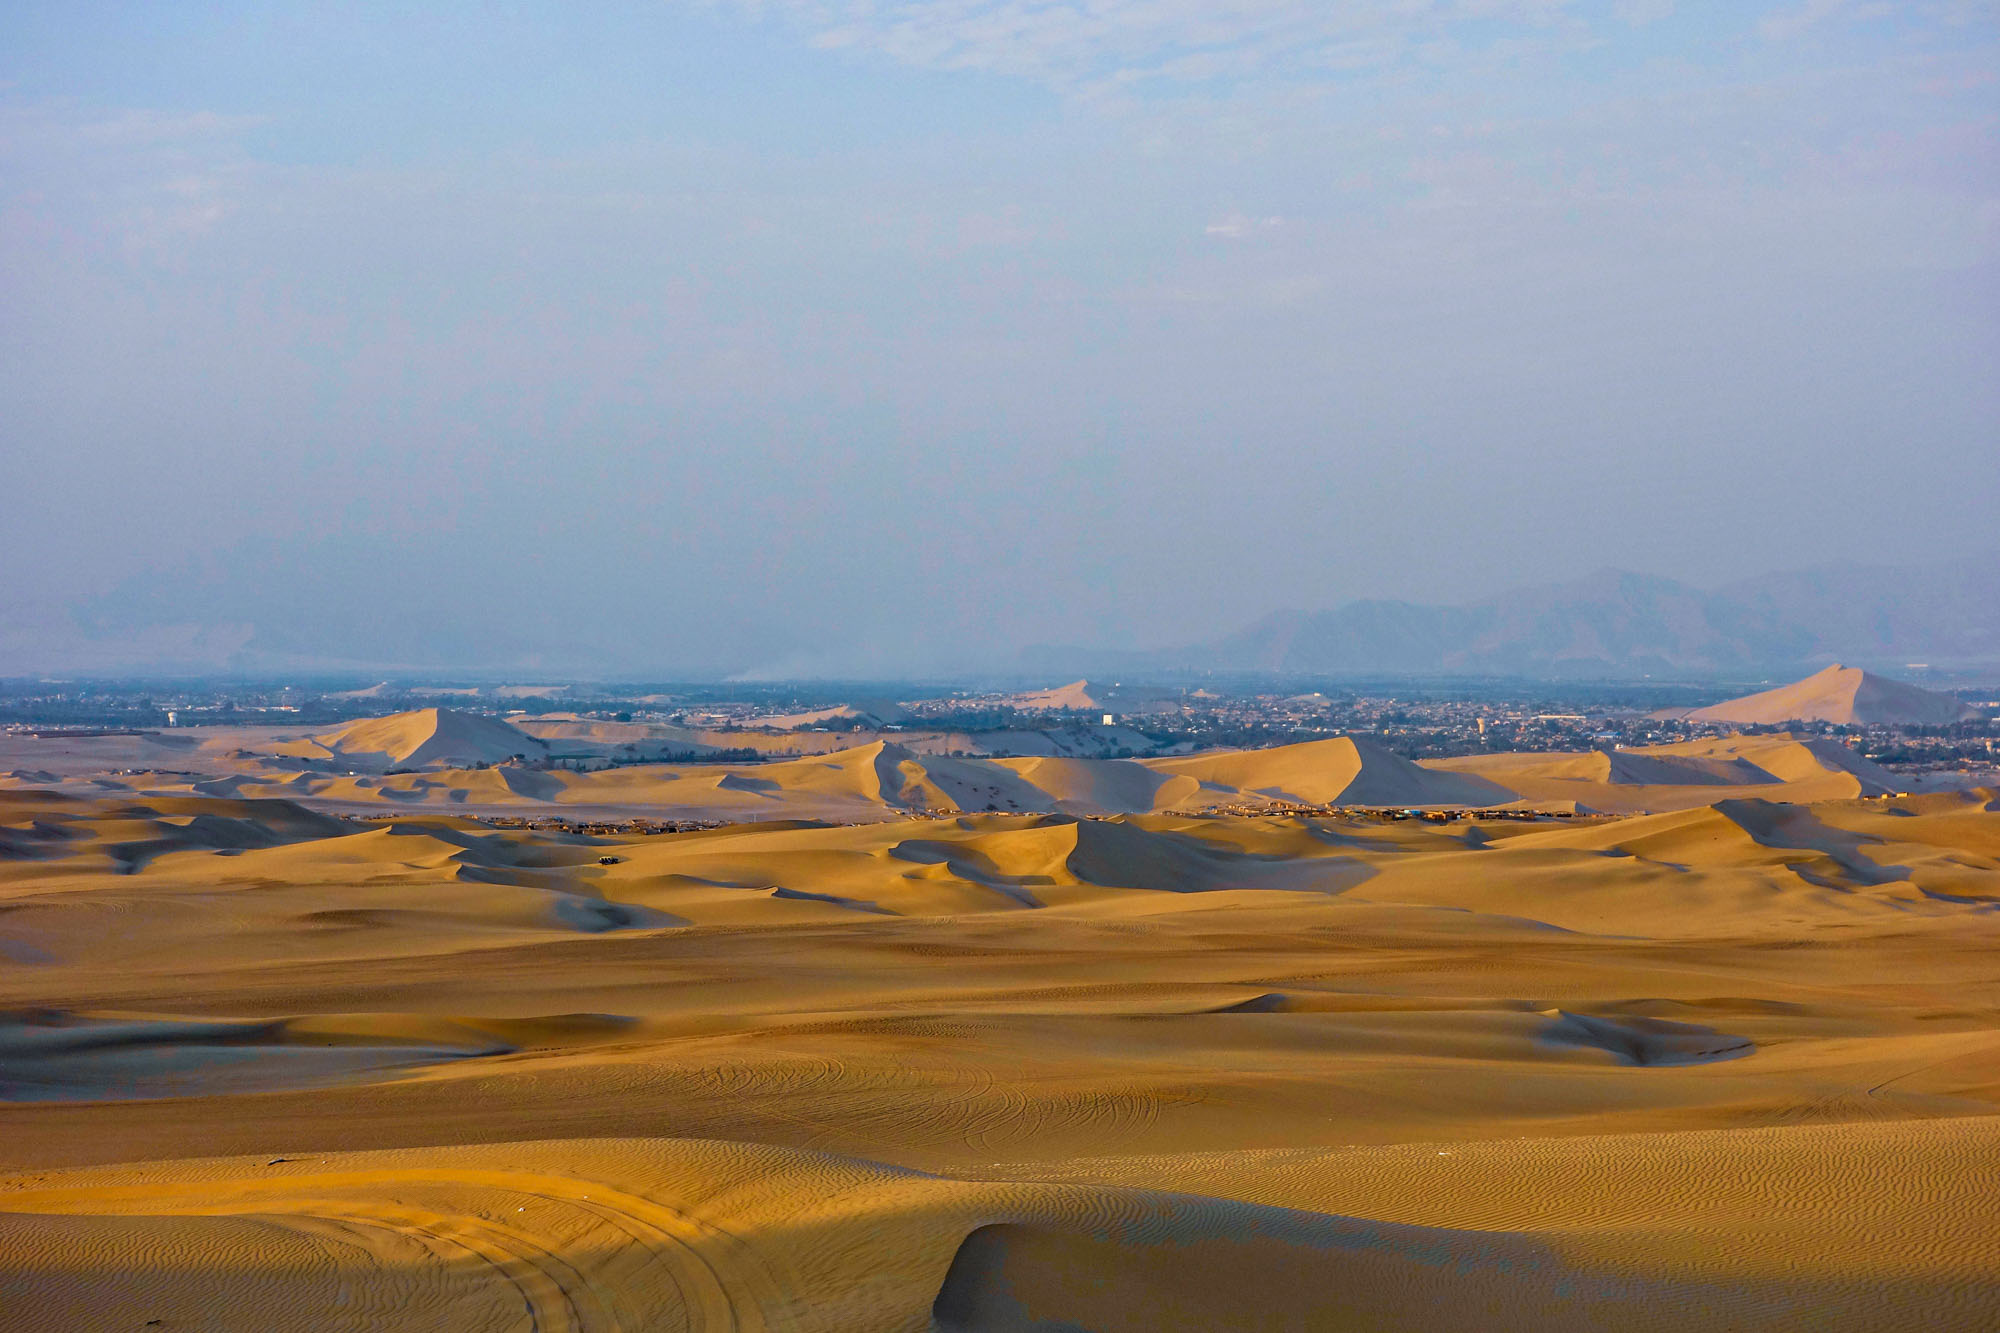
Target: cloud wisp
1097, 44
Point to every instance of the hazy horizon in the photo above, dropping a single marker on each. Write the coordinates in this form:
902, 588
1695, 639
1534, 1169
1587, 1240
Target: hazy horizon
1868, 615
814, 338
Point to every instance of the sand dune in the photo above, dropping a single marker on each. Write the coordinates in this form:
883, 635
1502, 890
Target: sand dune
1096, 696
1645, 1041
861, 712
1681, 776
1341, 771
1105, 786
426, 736
661, 1233
49, 1055
1078, 694
880, 780
1840, 694
888, 779
916, 1064
1919, 1248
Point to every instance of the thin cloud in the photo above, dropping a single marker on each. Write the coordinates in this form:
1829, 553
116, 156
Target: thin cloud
1800, 19
1796, 20
1239, 227
153, 179
1080, 44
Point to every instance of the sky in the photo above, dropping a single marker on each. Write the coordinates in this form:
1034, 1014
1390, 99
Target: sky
879, 337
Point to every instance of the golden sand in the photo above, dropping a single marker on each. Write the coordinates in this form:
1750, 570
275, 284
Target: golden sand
1734, 1063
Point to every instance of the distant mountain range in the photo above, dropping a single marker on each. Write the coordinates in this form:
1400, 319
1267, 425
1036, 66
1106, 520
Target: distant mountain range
1609, 625
1615, 624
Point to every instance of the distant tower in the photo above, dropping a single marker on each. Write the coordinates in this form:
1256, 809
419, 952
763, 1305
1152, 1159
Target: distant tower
1107, 719
1482, 726
173, 718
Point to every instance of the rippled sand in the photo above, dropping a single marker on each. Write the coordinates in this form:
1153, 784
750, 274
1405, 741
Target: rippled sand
1729, 1066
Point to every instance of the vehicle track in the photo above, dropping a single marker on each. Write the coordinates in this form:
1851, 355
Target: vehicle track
723, 1284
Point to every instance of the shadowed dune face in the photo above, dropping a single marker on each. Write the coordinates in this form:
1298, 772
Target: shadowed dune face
1338, 771
376, 763
59, 1057
427, 736
1645, 1041
1195, 1264
53, 1056
1023, 1278
1685, 776
1736, 1065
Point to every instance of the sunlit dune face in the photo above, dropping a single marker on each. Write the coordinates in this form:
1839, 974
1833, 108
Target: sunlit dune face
1392, 1069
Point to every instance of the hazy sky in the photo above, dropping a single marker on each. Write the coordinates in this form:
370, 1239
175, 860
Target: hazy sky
815, 335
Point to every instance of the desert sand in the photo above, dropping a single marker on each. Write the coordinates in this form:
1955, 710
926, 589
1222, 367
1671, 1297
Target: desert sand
924, 1043
437, 757
1841, 694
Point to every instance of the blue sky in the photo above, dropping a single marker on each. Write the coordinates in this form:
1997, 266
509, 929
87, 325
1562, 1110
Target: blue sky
860, 334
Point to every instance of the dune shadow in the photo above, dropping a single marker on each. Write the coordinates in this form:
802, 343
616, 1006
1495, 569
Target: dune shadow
852, 904
1641, 1040
596, 916
51, 1056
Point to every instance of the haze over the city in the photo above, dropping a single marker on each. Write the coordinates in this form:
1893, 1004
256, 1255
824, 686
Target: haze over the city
795, 337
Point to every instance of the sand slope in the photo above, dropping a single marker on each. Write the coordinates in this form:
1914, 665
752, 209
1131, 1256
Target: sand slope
883, 778
424, 737
1682, 776
1730, 1066
1078, 694
1840, 694
1343, 771
680, 1234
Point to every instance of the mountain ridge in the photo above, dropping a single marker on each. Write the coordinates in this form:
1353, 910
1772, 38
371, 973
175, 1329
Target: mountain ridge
1603, 625
1615, 622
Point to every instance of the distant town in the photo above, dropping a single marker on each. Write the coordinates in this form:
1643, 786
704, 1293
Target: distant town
751, 722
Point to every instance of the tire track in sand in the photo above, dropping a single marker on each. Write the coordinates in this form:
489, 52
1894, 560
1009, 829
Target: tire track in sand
555, 1297
726, 1286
